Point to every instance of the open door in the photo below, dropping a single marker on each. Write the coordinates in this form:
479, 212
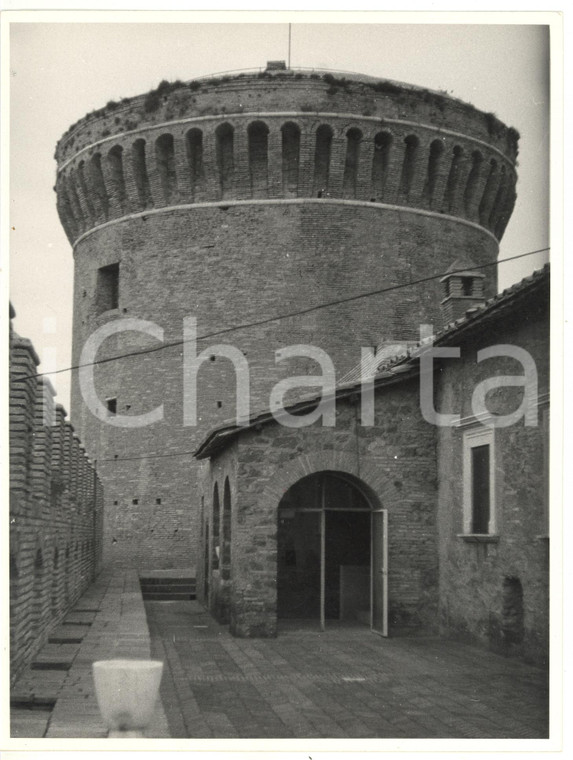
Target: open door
379, 572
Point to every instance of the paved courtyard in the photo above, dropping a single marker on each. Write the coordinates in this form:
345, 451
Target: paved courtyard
346, 682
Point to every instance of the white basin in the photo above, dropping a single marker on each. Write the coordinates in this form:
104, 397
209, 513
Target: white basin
126, 692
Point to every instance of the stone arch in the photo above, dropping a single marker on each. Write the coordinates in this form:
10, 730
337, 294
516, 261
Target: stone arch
290, 158
323, 148
140, 175
65, 209
194, 152
470, 192
412, 144
81, 173
488, 196
499, 200
97, 182
450, 195
435, 158
258, 144
368, 472
116, 176
351, 162
165, 158
380, 164
75, 202
224, 136
216, 528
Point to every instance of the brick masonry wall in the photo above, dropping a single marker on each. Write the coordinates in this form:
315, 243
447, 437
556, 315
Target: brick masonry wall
394, 461
229, 267
56, 507
472, 575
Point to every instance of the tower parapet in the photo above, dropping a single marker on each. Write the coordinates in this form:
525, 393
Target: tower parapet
286, 135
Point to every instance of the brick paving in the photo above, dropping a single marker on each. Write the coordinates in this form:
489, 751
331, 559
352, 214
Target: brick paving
346, 682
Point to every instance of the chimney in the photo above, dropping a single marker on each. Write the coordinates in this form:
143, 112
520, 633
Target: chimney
276, 66
463, 289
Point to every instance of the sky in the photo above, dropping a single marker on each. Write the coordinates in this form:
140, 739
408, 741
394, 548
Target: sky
60, 71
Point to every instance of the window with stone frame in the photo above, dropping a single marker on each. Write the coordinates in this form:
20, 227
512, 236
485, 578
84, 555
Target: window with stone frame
479, 482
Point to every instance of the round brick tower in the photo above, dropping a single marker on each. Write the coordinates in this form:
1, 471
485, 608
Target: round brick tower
235, 200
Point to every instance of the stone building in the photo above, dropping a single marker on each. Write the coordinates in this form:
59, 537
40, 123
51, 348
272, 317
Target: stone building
56, 509
403, 525
235, 200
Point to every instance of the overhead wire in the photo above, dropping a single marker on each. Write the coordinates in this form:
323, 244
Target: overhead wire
278, 317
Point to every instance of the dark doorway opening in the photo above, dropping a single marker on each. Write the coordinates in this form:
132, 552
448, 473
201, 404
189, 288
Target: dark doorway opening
325, 548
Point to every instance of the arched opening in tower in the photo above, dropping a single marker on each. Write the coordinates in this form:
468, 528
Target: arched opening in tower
350, 177
470, 194
452, 183
290, 159
99, 191
434, 163
408, 167
116, 178
380, 164
322, 160
216, 529
75, 203
84, 189
225, 158
194, 147
499, 200
226, 542
488, 196
65, 209
165, 156
139, 168
258, 134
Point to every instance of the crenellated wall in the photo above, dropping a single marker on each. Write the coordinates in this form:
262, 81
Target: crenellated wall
238, 200
56, 509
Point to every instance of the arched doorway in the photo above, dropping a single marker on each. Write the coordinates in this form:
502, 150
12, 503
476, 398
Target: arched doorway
332, 556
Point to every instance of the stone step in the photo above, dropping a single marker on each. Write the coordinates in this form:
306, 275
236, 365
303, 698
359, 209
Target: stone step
168, 590
167, 596
167, 582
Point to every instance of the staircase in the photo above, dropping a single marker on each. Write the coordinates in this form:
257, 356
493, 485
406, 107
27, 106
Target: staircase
162, 588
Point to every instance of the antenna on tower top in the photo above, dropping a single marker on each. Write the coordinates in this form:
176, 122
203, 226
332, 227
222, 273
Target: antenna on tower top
289, 34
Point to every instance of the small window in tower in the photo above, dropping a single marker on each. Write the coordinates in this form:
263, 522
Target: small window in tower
135, 501
107, 291
111, 404
467, 286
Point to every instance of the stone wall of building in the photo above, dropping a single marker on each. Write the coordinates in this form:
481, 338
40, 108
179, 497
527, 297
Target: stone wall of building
393, 462
494, 591
56, 509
